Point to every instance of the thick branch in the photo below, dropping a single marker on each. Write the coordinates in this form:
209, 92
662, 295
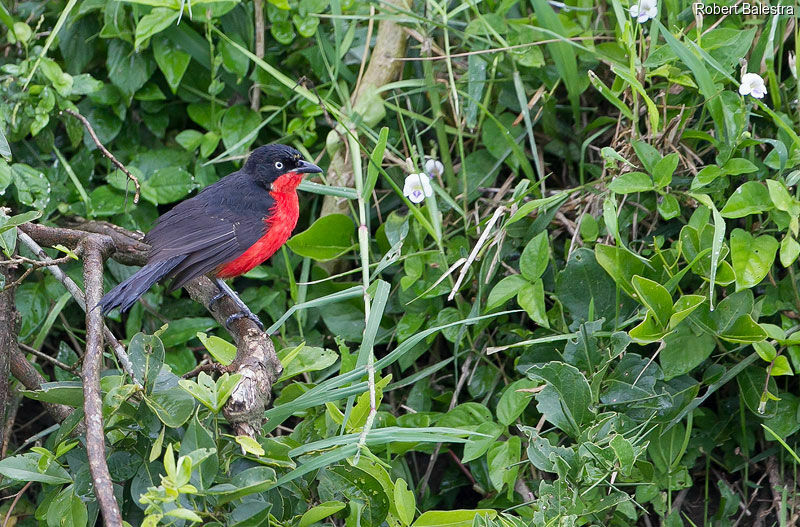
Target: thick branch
9, 322
92, 398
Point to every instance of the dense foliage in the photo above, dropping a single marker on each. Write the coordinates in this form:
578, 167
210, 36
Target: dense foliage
592, 319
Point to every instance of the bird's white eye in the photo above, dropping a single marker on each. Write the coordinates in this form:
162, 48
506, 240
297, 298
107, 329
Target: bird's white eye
279, 165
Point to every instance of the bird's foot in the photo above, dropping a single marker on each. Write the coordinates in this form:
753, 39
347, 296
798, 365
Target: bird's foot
244, 314
216, 298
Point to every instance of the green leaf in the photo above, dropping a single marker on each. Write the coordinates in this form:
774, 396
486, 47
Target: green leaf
789, 251
737, 166
566, 401
26, 468
752, 258
781, 366
355, 484
249, 481
152, 23
307, 358
171, 60
620, 264
535, 256
329, 237
283, 32
744, 330
669, 207
404, 501
649, 330
167, 185
173, 406
61, 392
513, 402
684, 351
663, 170
485, 436
453, 518
631, 182
531, 299
127, 69
750, 198
501, 460
781, 198
223, 351
504, 291
320, 512
147, 355
655, 297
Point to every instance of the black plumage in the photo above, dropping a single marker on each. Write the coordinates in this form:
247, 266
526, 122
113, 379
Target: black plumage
203, 233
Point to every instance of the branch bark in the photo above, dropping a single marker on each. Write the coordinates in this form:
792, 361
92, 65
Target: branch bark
9, 322
92, 364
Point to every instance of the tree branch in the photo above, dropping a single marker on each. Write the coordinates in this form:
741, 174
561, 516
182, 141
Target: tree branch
104, 150
92, 364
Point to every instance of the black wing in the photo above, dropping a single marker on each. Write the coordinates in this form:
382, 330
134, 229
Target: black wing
211, 229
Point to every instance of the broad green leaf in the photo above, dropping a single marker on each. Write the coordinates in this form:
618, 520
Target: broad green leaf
485, 436
502, 459
306, 359
566, 401
153, 23
26, 468
173, 406
404, 501
663, 170
750, 198
167, 185
328, 237
223, 351
631, 182
789, 250
648, 330
513, 402
655, 297
535, 256
744, 330
684, 350
504, 291
531, 299
752, 258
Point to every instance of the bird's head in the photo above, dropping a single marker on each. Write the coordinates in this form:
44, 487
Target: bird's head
278, 167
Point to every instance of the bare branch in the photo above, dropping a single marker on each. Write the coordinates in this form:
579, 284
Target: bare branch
104, 150
92, 399
74, 290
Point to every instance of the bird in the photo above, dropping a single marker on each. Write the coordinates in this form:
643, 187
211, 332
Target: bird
224, 231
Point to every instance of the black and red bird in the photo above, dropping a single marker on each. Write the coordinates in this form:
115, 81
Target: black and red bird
224, 231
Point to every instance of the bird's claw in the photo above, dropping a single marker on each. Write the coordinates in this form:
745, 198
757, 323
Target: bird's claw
244, 314
216, 298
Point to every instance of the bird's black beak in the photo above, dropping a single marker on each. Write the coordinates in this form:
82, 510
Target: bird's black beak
304, 167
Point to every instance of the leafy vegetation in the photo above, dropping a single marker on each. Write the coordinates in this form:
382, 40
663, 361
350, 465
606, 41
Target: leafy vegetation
587, 314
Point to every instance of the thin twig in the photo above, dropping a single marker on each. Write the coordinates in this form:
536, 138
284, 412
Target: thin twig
45, 356
92, 398
367, 43
35, 264
258, 15
14, 503
104, 150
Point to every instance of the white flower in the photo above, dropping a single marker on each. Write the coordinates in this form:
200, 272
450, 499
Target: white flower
434, 168
644, 10
417, 187
753, 84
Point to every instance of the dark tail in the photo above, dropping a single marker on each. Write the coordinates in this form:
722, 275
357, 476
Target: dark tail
125, 294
